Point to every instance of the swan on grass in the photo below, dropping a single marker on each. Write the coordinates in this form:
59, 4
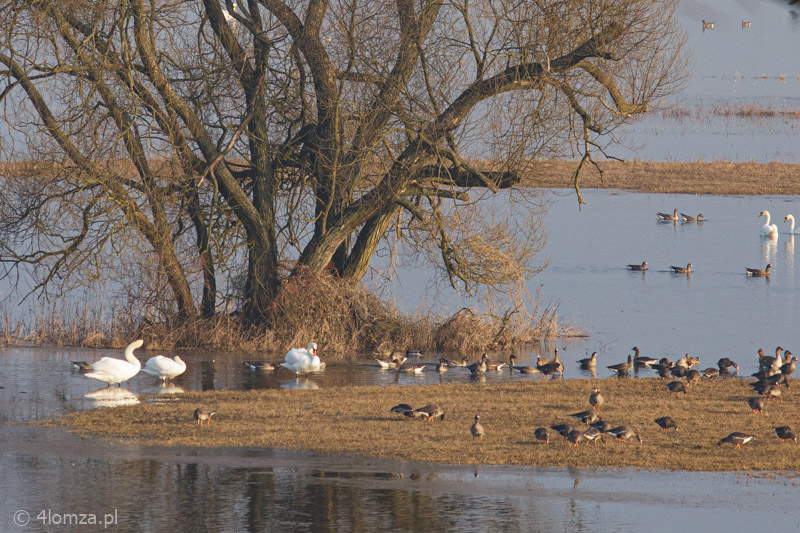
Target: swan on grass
303, 360
768, 230
164, 368
111, 370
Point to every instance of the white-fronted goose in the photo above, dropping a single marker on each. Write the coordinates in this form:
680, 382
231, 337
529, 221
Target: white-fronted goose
725, 364
431, 411
596, 399
693, 377
666, 423
521, 369
785, 433
574, 438
737, 438
478, 368
561, 429
677, 387
477, 429
772, 392
667, 216
710, 373
624, 434
203, 415
494, 366
592, 434
401, 409
756, 403
757, 272
589, 363
587, 417
622, 369
638, 268
689, 218
602, 425
542, 434
789, 367
682, 270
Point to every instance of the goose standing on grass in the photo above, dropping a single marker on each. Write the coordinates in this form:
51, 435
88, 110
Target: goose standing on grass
542, 434
596, 399
667, 216
624, 434
769, 231
785, 433
477, 428
758, 273
164, 368
111, 370
303, 360
737, 438
203, 415
666, 423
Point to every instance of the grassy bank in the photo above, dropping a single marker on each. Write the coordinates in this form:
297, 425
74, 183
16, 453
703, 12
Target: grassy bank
357, 420
699, 177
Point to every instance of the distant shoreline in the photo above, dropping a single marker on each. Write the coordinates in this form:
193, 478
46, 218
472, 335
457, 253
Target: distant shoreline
700, 177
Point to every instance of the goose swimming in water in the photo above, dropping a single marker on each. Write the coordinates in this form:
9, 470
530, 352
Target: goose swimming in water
667, 216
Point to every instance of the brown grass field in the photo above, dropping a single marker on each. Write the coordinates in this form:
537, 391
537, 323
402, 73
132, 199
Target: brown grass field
358, 421
698, 177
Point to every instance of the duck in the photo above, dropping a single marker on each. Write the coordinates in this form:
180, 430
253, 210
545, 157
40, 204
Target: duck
203, 415
164, 368
409, 369
82, 366
677, 387
667, 216
737, 438
542, 434
666, 423
596, 399
592, 434
111, 370
638, 268
624, 434
756, 403
785, 433
689, 218
442, 366
622, 369
260, 365
390, 363
521, 369
790, 218
682, 270
768, 230
757, 272
708, 25
431, 411
464, 362
587, 417
414, 353
745, 24
589, 363
477, 430
303, 360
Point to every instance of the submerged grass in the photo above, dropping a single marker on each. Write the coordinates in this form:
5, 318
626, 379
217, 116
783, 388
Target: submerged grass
357, 421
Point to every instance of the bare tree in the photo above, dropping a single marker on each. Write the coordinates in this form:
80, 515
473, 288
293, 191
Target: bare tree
272, 136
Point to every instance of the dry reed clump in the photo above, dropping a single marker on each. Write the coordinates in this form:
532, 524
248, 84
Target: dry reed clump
358, 421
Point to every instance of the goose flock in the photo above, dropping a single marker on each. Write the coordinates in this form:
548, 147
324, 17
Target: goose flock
775, 373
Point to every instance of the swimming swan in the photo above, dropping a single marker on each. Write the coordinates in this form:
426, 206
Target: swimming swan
791, 224
768, 230
111, 370
164, 368
303, 360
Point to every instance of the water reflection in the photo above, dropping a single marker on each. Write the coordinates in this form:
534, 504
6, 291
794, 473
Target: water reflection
769, 249
112, 397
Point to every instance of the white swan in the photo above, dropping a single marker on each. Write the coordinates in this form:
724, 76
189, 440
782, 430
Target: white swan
111, 370
303, 360
790, 218
164, 368
768, 230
